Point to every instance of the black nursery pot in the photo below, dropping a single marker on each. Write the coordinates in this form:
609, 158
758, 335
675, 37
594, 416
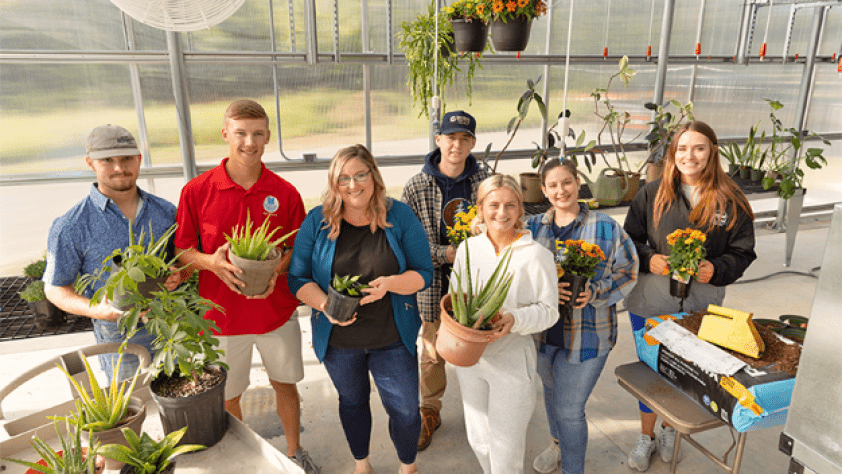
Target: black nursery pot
46, 315
203, 414
679, 289
129, 469
341, 307
577, 286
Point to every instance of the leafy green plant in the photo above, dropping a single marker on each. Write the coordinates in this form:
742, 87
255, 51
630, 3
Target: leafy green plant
348, 285
787, 142
34, 291
421, 44
474, 306
254, 244
614, 122
100, 409
35, 269
74, 459
663, 125
146, 455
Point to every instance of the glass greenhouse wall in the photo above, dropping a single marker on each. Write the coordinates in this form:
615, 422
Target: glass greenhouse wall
66, 67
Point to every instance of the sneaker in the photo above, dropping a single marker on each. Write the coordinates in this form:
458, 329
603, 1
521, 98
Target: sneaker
430, 422
666, 443
305, 462
549, 460
640, 456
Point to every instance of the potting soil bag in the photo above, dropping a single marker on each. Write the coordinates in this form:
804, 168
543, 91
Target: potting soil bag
746, 398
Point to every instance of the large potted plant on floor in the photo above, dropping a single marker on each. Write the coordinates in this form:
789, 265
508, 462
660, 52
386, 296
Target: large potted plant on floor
511, 22
100, 414
72, 458
467, 312
431, 56
255, 253
143, 455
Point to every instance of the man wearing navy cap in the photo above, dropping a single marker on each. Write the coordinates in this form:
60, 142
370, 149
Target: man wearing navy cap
82, 238
447, 184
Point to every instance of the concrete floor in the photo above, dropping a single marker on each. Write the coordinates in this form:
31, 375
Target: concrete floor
612, 413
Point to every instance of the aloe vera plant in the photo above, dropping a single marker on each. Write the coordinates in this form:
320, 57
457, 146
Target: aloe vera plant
474, 306
100, 409
254, 244
72, 457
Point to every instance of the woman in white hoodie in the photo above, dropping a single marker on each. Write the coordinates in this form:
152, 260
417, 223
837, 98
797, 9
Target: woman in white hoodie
499, 392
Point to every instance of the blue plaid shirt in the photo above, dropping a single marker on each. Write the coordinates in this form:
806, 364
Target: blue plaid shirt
592, 330
83, 237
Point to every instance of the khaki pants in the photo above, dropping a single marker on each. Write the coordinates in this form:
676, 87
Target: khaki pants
433, 379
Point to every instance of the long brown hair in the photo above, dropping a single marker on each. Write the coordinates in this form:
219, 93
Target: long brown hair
719, 194
333, 207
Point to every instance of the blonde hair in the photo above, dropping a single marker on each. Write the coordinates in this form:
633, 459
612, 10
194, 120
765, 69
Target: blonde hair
333, 207
489, 185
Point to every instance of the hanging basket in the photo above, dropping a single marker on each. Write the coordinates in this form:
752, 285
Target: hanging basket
469, 36
458, 344
510, 36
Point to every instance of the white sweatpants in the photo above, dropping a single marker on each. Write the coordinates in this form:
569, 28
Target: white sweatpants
498, 395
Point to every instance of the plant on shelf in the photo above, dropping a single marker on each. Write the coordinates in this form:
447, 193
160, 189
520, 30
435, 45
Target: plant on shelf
785, 153
45, 313
475, 306
36, 269
147, 456
662, 126
72, 458
33, 292
421, 43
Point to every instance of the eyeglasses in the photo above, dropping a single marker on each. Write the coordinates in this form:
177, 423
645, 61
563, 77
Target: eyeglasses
358, 178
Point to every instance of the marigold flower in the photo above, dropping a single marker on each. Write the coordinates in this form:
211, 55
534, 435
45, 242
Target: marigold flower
497, 6
480, 8
511, 6
522, 3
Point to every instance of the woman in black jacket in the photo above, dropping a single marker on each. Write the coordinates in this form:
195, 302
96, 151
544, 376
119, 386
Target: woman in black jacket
694, 193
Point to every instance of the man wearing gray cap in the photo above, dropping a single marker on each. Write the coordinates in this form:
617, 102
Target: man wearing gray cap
82, 238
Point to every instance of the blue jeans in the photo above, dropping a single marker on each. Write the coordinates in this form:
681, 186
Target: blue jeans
395, 372
637, 324
565, 402
106, 331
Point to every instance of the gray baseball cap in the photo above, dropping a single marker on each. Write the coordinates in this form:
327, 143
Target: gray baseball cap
107, 141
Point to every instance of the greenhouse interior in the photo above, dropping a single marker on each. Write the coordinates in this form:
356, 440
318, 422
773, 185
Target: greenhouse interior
603, 83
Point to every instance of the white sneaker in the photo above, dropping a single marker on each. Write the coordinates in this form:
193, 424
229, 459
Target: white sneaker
666, 443
549, 460
640, 456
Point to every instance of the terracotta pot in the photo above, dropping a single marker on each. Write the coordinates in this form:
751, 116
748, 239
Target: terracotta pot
469, 36
654, 171
510, 36
341, 307
455, 343
634, 186
256, 273
134, 420
530, 184
100, 463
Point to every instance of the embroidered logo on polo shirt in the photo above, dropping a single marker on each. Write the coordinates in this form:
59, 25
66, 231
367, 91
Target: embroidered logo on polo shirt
270, 204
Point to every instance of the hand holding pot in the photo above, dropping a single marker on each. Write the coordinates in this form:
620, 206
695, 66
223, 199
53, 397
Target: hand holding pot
376, 290
105, 312
564, 295
658, 264
500, 326
705, 271
225, 270
177, 277
335, 322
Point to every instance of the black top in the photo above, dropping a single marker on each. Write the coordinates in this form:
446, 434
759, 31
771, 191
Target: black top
359, 252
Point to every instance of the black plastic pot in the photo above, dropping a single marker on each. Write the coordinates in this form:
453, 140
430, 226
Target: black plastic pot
469, 36
793, 320
46, 315
577, 286
510, 36
772, 324
733, 170
341, 307
757, 175
128, 469
203, 414
745, 172
679, 289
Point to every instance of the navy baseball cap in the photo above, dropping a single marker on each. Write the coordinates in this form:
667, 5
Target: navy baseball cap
458, 121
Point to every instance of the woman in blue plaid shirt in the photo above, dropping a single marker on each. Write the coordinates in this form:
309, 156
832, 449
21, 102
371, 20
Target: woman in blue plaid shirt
573, 351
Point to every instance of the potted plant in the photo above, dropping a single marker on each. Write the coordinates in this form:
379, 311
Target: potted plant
577, 267
45, 313
36, 269
469, 23
786, 171
663, 125
687, 249
421, 44
256, 254
143, 455
464, 333
343, 297
511, 22
72, 458
101, 413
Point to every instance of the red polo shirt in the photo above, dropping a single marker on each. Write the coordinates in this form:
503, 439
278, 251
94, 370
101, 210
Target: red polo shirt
210, 206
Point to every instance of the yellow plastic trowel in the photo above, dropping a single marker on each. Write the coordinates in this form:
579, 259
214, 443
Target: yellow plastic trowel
731, 329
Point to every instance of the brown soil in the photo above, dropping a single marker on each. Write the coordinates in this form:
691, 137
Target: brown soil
784, 356
177, 387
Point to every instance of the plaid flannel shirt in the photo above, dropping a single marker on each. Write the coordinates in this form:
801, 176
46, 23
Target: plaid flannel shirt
592, 330
424, 196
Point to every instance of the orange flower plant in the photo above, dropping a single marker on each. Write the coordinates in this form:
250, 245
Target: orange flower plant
580, 257
505, 10
687, 249
461, 228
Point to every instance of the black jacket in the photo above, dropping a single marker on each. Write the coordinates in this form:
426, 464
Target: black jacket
730, 251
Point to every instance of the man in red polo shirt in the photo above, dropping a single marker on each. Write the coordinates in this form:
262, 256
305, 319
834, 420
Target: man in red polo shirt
210, 206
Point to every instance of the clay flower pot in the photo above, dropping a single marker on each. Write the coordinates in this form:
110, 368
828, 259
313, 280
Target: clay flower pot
457, 344
341, 307
100, 463
256, 273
